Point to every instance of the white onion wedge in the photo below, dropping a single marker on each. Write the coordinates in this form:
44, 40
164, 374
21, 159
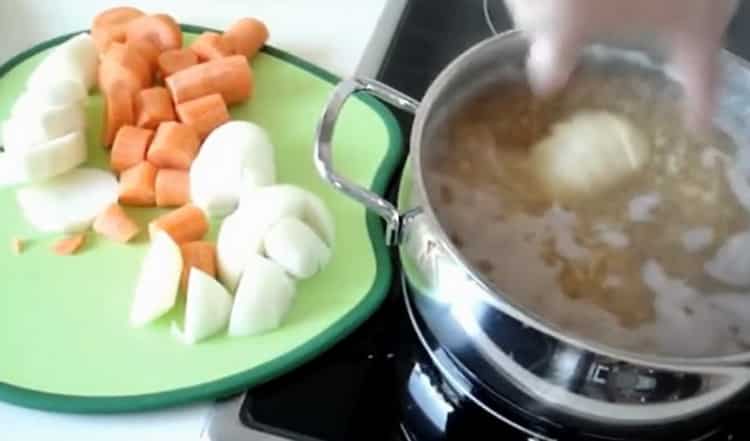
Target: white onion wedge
42, 125
156, 287
207, 308
314, 211
49, 159
242, 233
263, 298
63, 92
236, 155
75, 59
294, 245
731, 264
70, 202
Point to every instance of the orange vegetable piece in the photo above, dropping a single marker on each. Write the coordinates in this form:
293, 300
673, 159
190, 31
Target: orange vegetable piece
153, 106
109, 25
229, 76
247, 36
115, 76
123, 60
138, 185
175, 145
176, 60
149, 51
204, 114
185, 224
172, 188
16, 245
119, 112
129, 148
69, 245
198, 254
159, 29
210, 46
114, 224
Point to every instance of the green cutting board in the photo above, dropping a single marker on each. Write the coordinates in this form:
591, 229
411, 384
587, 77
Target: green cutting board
65, 343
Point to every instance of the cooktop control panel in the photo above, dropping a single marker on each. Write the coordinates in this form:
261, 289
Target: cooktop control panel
620, 382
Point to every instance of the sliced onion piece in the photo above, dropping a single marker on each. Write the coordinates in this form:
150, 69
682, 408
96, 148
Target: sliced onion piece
207, 308
731, 265
70, 202
75, 59
235, 156
47, 160
263, 298
294, 245
63, 92
26, 130
156, 288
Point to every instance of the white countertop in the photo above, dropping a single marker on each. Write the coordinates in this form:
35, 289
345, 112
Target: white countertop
331, 33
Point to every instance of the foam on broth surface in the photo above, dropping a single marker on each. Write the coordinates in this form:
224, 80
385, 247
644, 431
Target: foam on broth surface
630, 268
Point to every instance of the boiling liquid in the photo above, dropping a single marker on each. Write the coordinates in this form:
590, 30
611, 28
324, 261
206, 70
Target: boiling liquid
627, 268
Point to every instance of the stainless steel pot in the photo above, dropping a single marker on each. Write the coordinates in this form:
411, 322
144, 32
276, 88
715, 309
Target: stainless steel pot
492, 338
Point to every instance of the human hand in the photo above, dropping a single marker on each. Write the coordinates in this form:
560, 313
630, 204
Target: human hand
691, 31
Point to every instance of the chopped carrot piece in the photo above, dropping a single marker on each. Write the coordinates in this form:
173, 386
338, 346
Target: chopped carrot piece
69, 245
109, 25
113, 223
176, 60
175, 145
210, 46
115, 76
153, 106
138, 185
126, 56
247, 36
149, 51
185, 224
159, 29
172, 188
204, 114
199, 254
16, 245
129, 148
119, 112
230, 76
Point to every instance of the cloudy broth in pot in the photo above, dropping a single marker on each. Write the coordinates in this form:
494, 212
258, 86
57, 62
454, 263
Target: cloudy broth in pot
658, 263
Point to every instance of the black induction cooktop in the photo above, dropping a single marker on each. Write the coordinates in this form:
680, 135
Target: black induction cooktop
373, 385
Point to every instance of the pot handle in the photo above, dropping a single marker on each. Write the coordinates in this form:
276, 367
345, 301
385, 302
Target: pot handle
324, 154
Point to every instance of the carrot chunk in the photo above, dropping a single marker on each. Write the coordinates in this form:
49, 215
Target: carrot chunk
119, 112
176, 60
114, 224
122, 62
230, 76
185, 224
16, 245
153, 106
210, 46
175, 145
129, 148
199, 254
172, 188
159, 29
204, 114
247, 36
149, 51
137, 185
69, 245
109, 25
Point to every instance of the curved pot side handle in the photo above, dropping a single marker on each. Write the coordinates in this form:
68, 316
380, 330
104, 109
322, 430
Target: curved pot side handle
324, 151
